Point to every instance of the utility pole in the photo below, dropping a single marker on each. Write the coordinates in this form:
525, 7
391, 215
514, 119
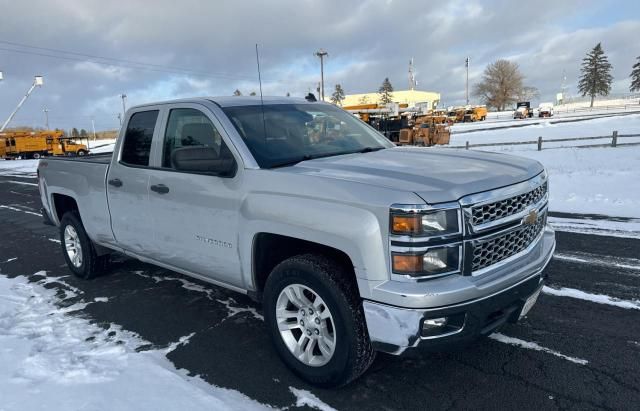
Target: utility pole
46, 117
124, 108
412, 76
322, 54
466, 88
120, 119
1, 76
37, 82
93, 127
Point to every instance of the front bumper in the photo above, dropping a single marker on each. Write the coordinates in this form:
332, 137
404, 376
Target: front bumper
393, 329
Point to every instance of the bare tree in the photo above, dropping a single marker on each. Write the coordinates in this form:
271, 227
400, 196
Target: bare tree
501, 84
237, 93
528, 93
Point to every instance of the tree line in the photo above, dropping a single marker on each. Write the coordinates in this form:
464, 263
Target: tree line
502, 82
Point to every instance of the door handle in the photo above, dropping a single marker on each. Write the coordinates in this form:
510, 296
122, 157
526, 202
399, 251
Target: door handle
160, 188
116, 182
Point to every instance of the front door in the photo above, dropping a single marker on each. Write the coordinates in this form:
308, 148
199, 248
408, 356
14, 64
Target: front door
195, 214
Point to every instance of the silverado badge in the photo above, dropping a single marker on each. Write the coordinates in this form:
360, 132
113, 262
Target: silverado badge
531, 218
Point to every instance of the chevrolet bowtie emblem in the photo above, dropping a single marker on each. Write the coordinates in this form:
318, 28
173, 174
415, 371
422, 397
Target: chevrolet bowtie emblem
531, 218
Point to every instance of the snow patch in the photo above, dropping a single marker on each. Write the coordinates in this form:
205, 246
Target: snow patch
237, 310
533, 346
22, 183
604, 261
10, 259
50, 358
594, 298
101, 299
184, 340
54, 240
306, 398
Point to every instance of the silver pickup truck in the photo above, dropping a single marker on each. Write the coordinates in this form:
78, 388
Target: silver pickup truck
352, 245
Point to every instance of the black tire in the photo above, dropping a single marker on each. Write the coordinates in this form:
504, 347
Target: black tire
92, 265
36, 156
82, 153
336, 286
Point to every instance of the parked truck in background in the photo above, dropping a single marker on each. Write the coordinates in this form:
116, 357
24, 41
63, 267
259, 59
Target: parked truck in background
351, 244
477, 113
27, 144
523, 110
545, 110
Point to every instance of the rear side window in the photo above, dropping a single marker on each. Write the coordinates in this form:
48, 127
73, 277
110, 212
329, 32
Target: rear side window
136, 148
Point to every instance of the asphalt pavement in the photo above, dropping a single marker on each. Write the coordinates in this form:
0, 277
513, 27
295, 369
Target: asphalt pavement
568, 353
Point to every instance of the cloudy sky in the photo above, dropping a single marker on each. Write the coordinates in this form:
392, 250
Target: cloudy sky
91, 51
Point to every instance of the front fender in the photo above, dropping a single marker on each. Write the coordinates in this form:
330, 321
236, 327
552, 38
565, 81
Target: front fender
354, 230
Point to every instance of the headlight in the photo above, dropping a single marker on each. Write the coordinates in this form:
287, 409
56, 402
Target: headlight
428, 223
436, 261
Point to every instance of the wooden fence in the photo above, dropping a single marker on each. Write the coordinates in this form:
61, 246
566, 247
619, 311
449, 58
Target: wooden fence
614, 141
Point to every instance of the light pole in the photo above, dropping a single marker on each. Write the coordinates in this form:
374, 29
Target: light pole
46, 117
37, 82
120, 119
322, 54
124, 108
466, 87
1, 76
93, 127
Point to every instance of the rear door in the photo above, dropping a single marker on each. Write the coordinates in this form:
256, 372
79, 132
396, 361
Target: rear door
128, 182
195, 214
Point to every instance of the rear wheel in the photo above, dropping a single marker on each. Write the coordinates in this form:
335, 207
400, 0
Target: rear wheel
78, 249
36, 156
314, 316
82, 153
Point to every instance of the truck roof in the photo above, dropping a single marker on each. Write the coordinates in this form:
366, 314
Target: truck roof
232, 101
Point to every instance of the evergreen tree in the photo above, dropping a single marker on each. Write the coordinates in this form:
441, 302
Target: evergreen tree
363, 100
385, 91
338, 95
75, 133
596, 75
83, 133
635, 77
253, 93
237, 93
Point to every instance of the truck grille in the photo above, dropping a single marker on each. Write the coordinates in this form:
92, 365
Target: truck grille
504, 208
489, 252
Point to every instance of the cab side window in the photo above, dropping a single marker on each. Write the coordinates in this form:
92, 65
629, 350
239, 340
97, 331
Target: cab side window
192, 143
136, 148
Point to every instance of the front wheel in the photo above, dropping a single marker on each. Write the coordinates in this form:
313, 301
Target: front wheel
78, 249
314, 316
82, 153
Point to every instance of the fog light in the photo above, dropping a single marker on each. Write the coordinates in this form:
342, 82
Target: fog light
433, 324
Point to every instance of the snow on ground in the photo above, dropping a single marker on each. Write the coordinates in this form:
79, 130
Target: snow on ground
534, 346
18, 168
629, 124
597, 180
102, 146
51, 359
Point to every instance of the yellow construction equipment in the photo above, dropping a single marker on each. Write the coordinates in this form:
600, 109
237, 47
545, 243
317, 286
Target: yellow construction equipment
477, 113
26, 144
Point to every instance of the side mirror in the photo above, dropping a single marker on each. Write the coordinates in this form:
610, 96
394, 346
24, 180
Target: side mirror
202, 159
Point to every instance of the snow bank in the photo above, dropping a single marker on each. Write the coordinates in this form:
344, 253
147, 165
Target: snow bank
18, 168
56, 361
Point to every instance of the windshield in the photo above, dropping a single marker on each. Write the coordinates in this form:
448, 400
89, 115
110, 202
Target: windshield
295, 132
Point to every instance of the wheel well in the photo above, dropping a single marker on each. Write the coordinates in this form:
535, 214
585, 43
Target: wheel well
63, 204
270, 250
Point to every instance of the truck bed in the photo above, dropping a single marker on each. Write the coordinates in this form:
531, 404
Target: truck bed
92, 158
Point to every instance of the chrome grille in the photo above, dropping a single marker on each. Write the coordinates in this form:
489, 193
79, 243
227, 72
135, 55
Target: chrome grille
487, 213
489, 252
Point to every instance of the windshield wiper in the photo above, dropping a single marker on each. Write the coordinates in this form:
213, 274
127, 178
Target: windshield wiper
370, 149
306, 157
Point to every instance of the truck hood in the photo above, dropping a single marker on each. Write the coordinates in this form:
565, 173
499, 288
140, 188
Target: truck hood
437, 175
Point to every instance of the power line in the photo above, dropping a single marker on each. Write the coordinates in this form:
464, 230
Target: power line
110, 61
